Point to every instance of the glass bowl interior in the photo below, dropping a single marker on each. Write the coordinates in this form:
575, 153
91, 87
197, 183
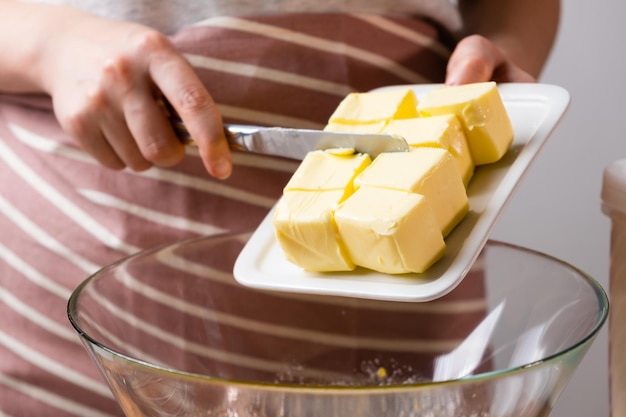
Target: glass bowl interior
175, 334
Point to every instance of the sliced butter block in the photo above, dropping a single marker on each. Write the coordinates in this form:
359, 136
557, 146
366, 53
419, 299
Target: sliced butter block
444, 131
431, 172
356, 128
305, 230
328, 170
481, 111
375, 107
390, 231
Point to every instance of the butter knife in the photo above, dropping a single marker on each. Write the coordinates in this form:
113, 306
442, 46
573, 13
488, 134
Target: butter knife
291, 143
296, 143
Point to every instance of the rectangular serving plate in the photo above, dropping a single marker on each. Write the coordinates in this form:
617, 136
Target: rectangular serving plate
534, 109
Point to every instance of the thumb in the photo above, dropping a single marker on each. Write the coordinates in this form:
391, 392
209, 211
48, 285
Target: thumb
477, 59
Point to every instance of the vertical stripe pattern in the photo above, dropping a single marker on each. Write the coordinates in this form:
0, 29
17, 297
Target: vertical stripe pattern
62, 216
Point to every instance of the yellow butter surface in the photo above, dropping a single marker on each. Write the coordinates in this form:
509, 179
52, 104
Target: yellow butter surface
376, 127
305, 230
444, 131
481, 111
390, 231
327, 170
431, 172
375, 107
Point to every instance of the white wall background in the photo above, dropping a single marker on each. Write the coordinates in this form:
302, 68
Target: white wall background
557, 208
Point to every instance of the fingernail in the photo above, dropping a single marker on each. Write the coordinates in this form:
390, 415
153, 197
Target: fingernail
222, 169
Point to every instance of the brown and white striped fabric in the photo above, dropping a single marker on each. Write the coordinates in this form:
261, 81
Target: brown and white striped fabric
179, 307
62, 216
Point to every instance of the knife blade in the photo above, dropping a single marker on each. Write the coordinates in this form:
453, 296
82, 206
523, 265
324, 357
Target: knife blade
296, 143
290, 143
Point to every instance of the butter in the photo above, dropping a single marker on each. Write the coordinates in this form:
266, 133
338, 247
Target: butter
375, 107
305, 230
328, 170
444, 131
376, 127
481, 111
304, 218
390, 231
431, 172
341, 210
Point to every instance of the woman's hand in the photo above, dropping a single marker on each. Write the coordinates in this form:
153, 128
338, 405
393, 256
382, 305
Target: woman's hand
105, 77
503, 40
477, 59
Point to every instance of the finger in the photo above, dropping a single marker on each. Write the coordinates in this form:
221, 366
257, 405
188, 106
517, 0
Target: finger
115, 133
124, 144
204, 123
473, 60
89, 136
133, 124
206, 129
98, 147
476, 59
151, 130
194, 105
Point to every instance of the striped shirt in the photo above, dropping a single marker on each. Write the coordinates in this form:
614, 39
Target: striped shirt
63, 216
172, 15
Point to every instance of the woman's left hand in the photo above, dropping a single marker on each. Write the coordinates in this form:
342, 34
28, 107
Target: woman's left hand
477, 59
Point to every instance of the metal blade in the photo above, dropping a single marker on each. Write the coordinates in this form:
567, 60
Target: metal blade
296, 143
292, 143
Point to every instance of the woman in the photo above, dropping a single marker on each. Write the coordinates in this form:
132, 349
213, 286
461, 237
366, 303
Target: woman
82, 82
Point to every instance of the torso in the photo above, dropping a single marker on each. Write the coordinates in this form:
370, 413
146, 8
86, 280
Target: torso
63, 216
171, 15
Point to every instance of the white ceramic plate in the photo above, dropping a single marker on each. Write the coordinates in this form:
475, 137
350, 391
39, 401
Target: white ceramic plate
534, 109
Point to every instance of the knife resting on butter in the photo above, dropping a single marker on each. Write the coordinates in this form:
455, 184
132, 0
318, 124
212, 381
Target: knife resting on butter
296, 143
291, 143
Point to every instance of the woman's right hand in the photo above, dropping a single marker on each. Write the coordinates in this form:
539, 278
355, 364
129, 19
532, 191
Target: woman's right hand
105, 78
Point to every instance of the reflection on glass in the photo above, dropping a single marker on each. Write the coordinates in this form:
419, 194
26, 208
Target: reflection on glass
175, 334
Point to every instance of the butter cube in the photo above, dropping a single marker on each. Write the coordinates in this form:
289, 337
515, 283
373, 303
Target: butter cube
356, 128
375, 107
390, 231
305, 230
431, 172
328, 170
444, 131
303, 221
481, 111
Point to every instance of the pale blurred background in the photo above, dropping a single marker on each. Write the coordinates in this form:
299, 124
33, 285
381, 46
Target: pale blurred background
557, 209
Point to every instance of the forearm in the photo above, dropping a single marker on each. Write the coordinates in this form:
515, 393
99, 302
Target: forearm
524, 30
26, 32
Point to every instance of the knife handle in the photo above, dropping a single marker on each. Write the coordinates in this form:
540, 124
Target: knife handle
237, 135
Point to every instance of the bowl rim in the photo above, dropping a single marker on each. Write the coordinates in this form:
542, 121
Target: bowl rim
603, 313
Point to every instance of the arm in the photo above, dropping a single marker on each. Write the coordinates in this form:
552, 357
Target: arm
103, 77
504, 40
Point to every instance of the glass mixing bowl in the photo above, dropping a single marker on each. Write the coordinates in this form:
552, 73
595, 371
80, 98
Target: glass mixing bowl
175, 335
